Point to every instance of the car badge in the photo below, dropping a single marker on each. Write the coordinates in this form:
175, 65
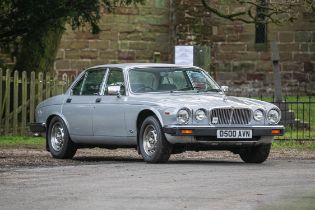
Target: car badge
215, 120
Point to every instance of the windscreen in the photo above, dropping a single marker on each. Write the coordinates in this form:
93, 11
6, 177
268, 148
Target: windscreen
170, 79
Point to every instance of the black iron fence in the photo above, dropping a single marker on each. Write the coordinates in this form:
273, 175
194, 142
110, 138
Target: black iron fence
298, 116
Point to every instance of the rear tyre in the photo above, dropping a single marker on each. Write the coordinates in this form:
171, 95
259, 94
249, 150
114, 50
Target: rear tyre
153, 145
255, 154
59, 142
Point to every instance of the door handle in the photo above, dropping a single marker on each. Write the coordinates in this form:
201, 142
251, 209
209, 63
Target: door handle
98, 100
68, 100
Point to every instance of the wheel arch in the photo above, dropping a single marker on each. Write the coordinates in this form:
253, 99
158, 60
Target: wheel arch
142, 116
49, 118
148, 112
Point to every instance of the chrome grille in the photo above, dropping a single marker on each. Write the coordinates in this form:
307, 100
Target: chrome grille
230, 116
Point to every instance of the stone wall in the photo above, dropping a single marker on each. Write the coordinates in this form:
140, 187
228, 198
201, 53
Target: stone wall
128, 35
240, 63
134, 35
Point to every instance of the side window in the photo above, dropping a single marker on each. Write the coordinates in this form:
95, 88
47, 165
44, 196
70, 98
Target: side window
93, 82
115, 78
76, 90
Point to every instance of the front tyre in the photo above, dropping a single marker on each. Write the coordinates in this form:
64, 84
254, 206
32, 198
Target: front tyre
255, 154
153, 145
59, 142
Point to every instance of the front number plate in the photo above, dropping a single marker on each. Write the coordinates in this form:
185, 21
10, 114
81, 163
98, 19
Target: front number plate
234, 134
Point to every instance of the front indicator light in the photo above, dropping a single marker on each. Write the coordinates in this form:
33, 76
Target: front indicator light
186, 131
275, 131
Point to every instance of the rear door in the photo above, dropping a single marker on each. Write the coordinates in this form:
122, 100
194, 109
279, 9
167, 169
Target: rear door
78, 107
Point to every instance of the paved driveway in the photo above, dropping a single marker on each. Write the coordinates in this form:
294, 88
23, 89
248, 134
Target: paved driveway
177, 185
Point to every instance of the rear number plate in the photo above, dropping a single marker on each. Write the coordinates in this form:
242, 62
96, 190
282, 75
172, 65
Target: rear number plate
234, 134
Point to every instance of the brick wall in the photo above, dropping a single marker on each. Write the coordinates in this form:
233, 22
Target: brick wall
128, 35
240, 63
134, 34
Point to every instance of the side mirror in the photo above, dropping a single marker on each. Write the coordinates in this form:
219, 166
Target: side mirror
225, 88
114, 90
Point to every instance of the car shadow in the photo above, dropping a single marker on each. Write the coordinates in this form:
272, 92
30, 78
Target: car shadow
90, 159
119, 159
212, 162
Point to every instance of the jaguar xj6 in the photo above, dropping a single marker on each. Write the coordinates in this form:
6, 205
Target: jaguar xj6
158, 109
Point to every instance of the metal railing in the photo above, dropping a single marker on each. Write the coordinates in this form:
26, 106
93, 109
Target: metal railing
297, 115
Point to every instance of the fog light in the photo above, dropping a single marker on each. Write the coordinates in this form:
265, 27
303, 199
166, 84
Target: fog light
186, 131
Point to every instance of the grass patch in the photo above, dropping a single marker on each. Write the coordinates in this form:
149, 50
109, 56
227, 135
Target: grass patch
39, 143
299, 135
290, 144
22, 142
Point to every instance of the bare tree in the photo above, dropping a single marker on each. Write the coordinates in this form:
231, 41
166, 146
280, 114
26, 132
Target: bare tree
275, 11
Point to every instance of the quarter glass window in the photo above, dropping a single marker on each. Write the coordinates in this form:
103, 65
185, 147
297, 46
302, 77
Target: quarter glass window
76, 90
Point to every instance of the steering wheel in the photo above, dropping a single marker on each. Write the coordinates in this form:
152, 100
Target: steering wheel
143, 89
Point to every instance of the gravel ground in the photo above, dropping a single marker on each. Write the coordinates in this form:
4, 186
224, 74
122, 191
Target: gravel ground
15, 158
118, 179
187, 184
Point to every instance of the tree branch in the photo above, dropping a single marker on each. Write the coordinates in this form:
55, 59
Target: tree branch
276, 13
220, 14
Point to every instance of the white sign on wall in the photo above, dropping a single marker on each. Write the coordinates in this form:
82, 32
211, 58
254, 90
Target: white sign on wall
184, 55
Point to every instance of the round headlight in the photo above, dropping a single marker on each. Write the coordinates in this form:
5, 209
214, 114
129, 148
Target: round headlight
273, 116
183, 116
200, 114
258, 115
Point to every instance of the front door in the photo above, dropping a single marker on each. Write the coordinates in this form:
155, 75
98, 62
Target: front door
109, 110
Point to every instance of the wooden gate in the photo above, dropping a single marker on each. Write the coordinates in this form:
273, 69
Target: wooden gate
19, 95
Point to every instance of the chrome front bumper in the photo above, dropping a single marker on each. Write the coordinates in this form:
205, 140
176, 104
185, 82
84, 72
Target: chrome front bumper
208, 134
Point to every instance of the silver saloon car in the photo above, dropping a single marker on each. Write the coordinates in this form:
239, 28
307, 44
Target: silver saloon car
158, 109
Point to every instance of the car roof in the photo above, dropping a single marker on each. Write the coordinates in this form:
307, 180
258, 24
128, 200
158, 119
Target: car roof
141, 65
